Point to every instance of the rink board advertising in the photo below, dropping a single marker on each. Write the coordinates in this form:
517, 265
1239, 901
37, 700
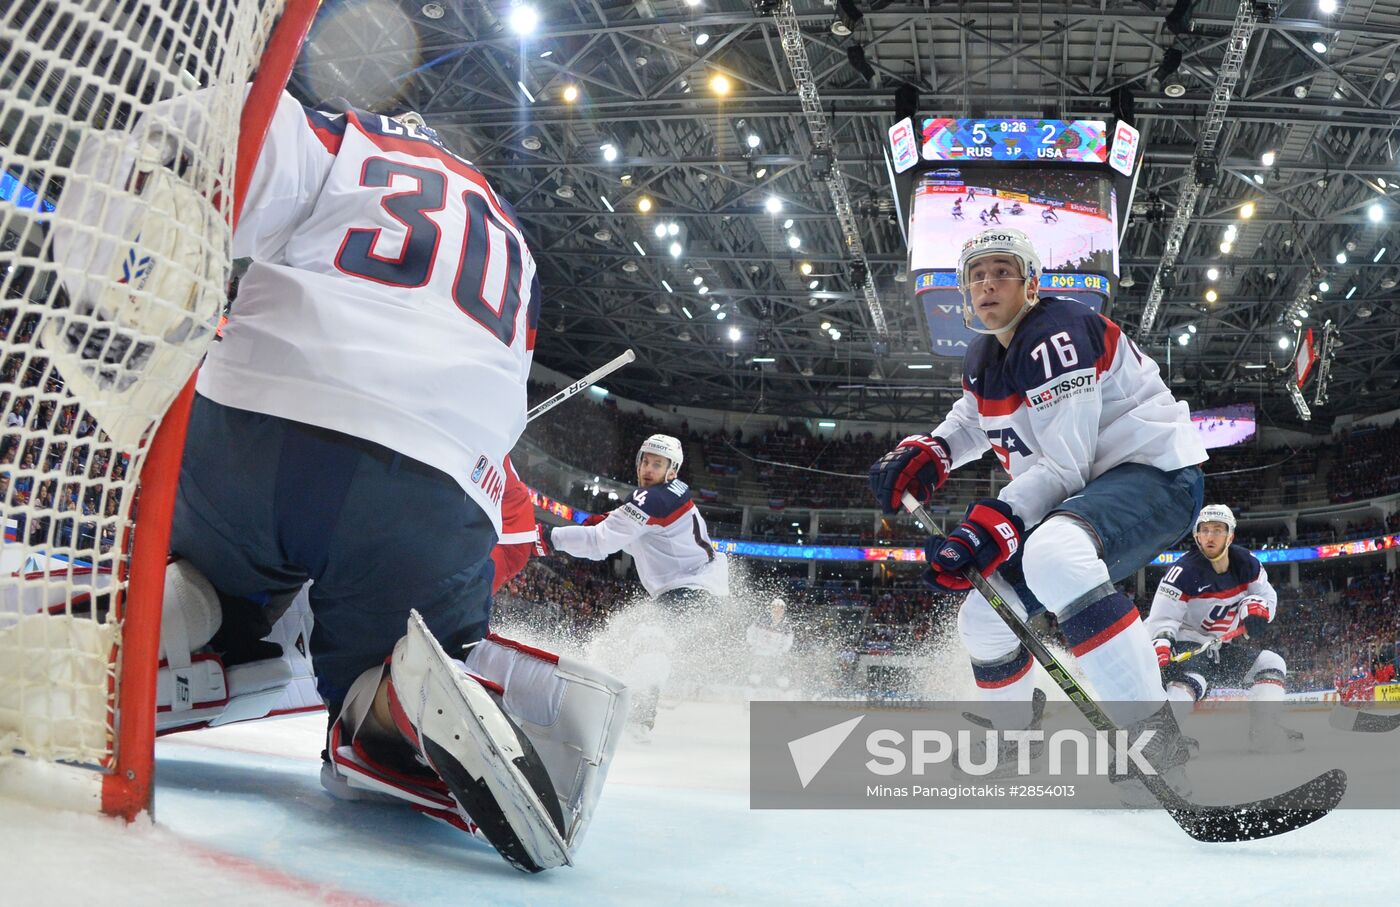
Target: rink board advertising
928, 755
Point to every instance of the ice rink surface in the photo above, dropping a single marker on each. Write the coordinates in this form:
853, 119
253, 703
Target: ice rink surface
240, 818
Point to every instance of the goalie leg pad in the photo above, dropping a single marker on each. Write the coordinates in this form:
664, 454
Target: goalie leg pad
487, 762
572, 712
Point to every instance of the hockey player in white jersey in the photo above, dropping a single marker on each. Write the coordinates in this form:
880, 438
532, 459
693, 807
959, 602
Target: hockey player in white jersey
770, 640
351, 429
1218, 590
1104, 475
660, 527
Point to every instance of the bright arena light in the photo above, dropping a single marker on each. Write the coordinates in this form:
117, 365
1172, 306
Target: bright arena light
1212, 273
660, 231
609, 152
524, 19
794, 241
1268, 158
1284, 343
1183, 339
1247, 210
773, 205
1211, 295
753, 140
1375, 213
1327, 7
675, 250
719, 84
644, 204
735, 334
570, 94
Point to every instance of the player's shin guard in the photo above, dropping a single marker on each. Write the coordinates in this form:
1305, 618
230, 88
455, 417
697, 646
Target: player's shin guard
1110, 642
572, 712
489, 765
1005, 687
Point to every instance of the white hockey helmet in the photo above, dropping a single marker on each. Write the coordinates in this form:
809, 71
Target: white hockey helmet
1006, 241
663, 446
410, 118
1216, 513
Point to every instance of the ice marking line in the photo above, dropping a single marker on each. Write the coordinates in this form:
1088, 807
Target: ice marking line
315, 892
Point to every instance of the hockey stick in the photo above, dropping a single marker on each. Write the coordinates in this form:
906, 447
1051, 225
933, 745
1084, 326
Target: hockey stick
1213, 644
1350, 719
1265, 818
593, 377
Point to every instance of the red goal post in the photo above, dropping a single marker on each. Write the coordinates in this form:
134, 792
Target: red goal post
115, 219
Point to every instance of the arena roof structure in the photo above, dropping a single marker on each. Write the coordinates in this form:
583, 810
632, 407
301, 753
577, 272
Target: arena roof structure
696, 108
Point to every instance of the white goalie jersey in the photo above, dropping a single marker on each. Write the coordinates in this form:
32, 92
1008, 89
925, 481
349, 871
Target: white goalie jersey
392, 296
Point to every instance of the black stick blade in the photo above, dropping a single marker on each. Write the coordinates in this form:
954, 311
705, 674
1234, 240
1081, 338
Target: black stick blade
1293, 809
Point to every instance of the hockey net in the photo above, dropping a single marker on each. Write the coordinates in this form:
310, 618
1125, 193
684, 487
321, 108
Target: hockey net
125, 142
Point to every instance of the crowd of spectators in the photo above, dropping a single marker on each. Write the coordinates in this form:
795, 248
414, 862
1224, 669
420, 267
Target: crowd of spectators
53, 460
1370, 467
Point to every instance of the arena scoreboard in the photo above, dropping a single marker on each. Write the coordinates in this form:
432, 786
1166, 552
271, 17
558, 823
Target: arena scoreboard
1064, 183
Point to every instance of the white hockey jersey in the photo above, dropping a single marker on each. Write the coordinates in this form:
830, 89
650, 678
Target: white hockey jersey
1196, 604
769, 641
1069, 399
664, 533
392, 296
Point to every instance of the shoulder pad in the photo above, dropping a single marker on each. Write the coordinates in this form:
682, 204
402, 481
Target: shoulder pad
660, 501
1059, 336
1243, 561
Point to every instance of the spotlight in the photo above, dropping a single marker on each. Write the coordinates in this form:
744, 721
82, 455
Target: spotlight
1319, 47
524, 19
1211, 295
794, 241
675, 250
719, 84
702, 39
855, 55
609, 152
773, 205
1375, 213
1341, 258
735, 334
752, 140
1327, 7
787, 224
1284, 343
1247, 210
673, 229
906, 102
660, 231
570, 94
1183, 339
1324, 287
1179, 19
847, 18
1300, 91
644, 204
805, 268
1268, 158
1212, 273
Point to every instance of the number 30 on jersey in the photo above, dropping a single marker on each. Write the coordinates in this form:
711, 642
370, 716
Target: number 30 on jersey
361, 252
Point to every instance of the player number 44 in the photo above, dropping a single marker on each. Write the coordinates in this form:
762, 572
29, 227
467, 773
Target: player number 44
1064, 351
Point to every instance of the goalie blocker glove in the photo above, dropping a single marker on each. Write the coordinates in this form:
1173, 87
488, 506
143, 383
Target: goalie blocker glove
919, 465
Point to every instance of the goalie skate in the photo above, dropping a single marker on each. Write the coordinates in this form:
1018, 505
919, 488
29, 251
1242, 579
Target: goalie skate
486, 761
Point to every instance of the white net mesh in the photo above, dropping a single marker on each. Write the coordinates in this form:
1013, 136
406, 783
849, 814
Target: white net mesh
118, 128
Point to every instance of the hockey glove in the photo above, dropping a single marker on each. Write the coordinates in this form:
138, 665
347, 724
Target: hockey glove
1163, 646
919, 465
544, 546
986, 539
1256, 617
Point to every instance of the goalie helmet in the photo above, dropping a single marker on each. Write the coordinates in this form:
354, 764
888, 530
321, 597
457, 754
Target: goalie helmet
1007, 241
1216, 513
663, 446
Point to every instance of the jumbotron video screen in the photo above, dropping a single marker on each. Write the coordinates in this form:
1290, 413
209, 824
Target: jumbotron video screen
1069, 214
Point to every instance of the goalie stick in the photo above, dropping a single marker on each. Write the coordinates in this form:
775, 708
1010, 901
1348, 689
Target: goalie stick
1250, 821
593, 377
1344, 718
